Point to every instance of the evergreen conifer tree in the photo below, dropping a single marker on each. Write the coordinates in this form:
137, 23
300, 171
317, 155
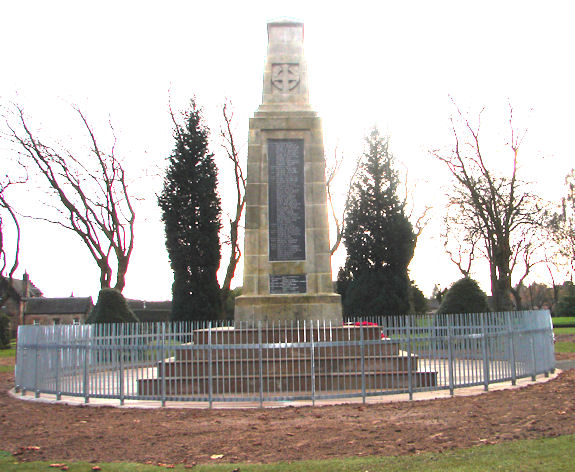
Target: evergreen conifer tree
191, 213
378, 237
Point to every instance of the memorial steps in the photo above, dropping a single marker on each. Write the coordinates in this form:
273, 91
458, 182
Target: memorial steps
326, 360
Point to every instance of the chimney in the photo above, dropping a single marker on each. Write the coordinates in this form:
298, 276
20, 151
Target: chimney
26, 283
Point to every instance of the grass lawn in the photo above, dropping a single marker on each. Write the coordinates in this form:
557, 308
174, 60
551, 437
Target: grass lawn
564, 330
7, 354
553, 454
563, 346
563, 320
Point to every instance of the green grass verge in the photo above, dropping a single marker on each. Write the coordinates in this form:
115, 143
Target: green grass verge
562, 346
564, 330
563, 320
8, 352
553, 454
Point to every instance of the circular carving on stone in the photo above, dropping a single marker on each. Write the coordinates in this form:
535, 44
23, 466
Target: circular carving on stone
285, 77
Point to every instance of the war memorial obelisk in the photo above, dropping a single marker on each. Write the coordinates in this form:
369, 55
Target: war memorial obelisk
287, 263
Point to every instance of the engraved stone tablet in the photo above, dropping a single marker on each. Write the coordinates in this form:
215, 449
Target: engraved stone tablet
286, 200
288, 284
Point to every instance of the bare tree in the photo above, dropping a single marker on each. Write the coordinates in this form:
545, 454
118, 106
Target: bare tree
339, 217
8, 257
89, 194
562, 226
229, 145
496, 214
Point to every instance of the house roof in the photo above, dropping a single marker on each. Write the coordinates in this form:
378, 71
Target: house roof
145, 305
151, 311
18, 286
58, 306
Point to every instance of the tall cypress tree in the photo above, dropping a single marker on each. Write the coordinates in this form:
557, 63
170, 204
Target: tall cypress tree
378, 237
191, 213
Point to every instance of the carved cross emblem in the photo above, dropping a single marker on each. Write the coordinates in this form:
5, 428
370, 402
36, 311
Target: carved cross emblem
285, 77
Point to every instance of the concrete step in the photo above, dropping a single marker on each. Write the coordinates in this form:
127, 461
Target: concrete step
288, 384
303, 365
271, 350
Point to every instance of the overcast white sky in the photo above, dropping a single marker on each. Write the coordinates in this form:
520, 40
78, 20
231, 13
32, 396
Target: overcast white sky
390, 64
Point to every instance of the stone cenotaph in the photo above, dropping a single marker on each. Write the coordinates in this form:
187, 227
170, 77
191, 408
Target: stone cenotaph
287, 263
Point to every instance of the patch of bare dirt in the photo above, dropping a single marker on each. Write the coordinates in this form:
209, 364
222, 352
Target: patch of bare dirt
58, 432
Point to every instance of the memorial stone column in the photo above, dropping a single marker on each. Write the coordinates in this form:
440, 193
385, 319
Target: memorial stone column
287, 263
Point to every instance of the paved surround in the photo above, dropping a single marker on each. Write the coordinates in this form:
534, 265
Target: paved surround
437, 394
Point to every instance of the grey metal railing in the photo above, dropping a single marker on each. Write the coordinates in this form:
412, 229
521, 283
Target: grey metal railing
270, 362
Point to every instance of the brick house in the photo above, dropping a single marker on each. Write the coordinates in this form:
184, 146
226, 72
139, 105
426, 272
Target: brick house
17, 293
49, 311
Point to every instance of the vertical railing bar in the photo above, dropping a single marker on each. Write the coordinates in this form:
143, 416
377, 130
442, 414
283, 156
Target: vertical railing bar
210, 367
121, 361
37, 359
450, 353
533, 356
163, 362
312, 354
362, 354
260, 366
87, 354
484, 349
57, 363
408, 333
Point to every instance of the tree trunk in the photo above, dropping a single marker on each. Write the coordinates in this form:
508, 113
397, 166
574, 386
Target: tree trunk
121, 274
105, 273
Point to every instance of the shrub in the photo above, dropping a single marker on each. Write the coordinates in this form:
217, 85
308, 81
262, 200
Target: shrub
382, 292
111, 307
4, 331
566, 304
417, 300
464, 296
231, 303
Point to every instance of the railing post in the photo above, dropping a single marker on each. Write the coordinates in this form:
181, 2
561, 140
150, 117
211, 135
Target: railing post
409, 372
484, 349
533, 358
511, 334
87, 351
57, 350
362, 353
450, 354
36, 360
312, 357
260, 365
210, 368
120, 348
163, 363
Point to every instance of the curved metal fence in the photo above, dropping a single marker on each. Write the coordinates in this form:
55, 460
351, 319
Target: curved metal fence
281, 362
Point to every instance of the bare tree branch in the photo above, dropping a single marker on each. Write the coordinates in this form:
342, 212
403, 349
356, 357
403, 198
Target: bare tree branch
228, 144
339, 218
8, 259
497, 211
94, 203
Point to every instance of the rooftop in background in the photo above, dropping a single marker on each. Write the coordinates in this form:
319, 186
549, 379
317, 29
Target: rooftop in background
19, 286
60, 306
151, 311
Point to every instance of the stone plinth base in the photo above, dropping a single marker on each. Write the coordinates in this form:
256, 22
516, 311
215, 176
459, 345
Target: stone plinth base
289, 308
286, 360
